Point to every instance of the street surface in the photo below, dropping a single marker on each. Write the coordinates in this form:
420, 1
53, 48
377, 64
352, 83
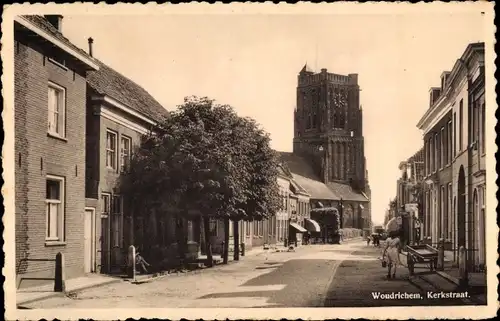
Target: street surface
344, 275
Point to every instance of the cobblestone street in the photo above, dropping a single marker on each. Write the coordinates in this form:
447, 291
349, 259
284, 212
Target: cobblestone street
313, 276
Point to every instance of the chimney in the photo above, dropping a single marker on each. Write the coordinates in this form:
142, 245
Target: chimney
91, 41
55, 20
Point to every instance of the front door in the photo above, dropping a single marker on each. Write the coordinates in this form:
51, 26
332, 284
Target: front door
88, 240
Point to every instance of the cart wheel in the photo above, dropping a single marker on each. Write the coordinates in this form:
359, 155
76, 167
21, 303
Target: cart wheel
409, 261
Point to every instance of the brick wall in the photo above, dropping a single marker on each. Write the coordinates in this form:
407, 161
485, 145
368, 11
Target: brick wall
39, 155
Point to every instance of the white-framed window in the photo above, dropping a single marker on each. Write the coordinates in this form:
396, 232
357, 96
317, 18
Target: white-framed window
56, 120
54, 208
125, 148
111, 149
461, 125
106, 204
442, 160
483, 132
450, 211
449, 143
117, 220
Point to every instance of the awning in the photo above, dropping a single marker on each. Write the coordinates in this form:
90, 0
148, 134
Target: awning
299, 228
312, 225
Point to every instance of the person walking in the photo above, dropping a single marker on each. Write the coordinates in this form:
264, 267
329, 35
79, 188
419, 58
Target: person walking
391, 254
368, 240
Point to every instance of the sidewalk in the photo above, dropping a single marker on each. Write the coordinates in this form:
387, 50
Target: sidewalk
32, 294
448, 280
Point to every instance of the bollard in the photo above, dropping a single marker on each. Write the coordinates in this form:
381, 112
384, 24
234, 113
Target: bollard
462, 268
59, 279
242, 249
440, 260
131, 272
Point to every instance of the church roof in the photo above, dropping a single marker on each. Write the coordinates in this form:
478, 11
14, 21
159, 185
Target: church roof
304, 174
346, 192
315, 188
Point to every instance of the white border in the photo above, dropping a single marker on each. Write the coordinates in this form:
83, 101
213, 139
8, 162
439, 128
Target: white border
402, 313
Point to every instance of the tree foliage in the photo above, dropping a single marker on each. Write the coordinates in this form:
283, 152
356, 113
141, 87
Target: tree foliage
205, 159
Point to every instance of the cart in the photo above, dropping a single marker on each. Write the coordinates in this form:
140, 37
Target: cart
421, 254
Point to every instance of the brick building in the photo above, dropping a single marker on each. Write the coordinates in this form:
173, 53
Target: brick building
454, 144
50, 98
328, 146
119, 113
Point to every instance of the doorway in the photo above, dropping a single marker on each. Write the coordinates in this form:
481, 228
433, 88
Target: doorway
89, 240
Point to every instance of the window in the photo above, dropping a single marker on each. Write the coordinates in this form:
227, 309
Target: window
443, 231
450, 212
110, 150
56, 110
247, 228
213, 227
454, 134
441, 148
125, 144
460, 126
436, 153
475, 123
483, 132
106, 204
449, 143
426, 157
117, 220
54, 209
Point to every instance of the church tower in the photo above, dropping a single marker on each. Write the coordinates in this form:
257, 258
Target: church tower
328, 126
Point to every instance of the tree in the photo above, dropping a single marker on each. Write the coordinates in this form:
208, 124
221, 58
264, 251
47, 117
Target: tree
204, 161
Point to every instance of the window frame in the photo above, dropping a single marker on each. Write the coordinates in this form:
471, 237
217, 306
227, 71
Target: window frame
442, 160
483, 128
449, 142
61, 213
63, 105
460, 125
106, 212
109, 150
123, 166
117, 215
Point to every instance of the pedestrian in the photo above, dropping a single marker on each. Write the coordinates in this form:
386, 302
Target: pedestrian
391, 254
368, 240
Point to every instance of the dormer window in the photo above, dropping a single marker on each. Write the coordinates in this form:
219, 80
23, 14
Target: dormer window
444, 79
434, 94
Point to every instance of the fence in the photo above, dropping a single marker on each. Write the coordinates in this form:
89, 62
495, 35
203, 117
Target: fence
59, 275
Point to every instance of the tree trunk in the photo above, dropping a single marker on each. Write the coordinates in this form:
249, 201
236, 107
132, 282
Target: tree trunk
225, 250
179, 229
208, 245
236, 237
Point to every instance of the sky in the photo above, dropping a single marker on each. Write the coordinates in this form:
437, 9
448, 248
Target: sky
252, 61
